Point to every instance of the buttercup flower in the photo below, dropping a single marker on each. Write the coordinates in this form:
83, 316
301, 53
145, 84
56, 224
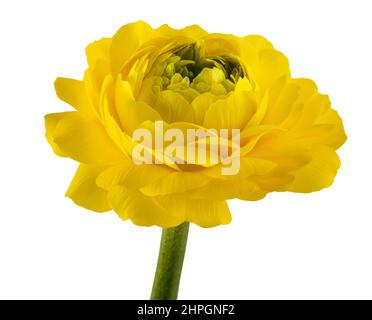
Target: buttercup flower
190, 79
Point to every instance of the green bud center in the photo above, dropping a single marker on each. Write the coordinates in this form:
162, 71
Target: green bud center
188, 71
187, 67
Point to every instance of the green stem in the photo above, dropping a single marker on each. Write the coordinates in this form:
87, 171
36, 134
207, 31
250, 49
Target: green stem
170, 261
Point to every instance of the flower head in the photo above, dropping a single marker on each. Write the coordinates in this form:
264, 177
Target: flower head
190, 80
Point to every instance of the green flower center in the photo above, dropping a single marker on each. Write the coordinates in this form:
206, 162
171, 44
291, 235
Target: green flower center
188, 68
188, 71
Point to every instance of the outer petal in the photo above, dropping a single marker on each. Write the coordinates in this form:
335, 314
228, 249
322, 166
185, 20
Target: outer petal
272, 66
163, 211
81, 139
98, 50
221, 44
337, 136
204, 213
98, 55
318, 173
250, 45
127, 41
281, 103
51, 122
263, 63
132, 176
245, 189
176, 182
73, 92
248, 167
286, 153
142, 210
193, 32
84, 191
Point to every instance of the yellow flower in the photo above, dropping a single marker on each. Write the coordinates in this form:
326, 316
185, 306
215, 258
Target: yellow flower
189, 78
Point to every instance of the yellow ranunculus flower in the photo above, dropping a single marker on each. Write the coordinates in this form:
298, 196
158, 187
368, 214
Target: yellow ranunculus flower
191, 79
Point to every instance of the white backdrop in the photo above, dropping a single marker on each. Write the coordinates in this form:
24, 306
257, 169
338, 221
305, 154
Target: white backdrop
285, 246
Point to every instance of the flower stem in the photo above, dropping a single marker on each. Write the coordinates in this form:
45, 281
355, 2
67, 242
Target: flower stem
170, 262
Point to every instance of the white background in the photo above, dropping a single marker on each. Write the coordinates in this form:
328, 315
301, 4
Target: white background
287, 246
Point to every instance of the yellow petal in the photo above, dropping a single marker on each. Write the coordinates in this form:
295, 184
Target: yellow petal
173, 107
273, 65
93, 89
216, 189
217, 44
131, 112
317, 134
312, 109
136, 72
83, 140
248, 167
250, 45
73, 92
201, 104
51, 122
98, 50
307, 88
278, 180
121, 139
286, 153
176, 182
127, 40
110, 119
318, 173
280, 106
202, 136
192, 32
337, 136
204, 213
98, 55
231, 113
260, 112
140, 209
262, 62
316, 114
131, 175
84, 191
